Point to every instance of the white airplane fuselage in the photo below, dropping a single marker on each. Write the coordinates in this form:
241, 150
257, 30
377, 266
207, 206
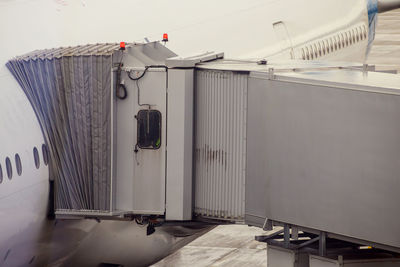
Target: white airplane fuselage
335, 30
23, 198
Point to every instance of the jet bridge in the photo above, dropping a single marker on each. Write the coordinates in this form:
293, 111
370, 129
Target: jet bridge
108, 112
313, 147
309, 146
103, 112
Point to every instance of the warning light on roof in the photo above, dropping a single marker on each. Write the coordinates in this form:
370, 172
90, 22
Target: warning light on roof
122, 45
165, 37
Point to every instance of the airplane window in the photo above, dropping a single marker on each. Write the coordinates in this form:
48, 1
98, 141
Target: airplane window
18, 164
319, 48
337, 44
357, 34
1, 174
365, 32
45, 154
9, 168
327, 45
333, 44
343, 40
361, 34
354, 35
303, 55
315, 51
311, 52
36, 157
307, 54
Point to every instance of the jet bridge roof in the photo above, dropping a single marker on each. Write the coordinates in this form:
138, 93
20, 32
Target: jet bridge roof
347, 73
265, 65
80, 50
145, 53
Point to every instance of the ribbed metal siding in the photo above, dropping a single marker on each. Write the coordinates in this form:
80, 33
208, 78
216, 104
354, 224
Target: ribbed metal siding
220, 143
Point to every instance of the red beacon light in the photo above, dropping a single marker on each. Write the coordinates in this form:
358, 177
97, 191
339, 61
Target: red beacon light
165, 37
122, 45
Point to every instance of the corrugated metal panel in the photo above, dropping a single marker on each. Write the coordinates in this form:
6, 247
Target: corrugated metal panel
80, 50
70, 96
220, 146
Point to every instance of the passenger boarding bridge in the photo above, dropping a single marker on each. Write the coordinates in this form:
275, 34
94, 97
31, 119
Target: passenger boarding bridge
138, 132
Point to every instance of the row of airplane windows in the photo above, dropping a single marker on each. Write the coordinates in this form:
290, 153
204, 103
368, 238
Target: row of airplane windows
334, 43
18, 163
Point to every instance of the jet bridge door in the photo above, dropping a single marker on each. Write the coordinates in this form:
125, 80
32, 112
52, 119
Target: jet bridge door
139, 141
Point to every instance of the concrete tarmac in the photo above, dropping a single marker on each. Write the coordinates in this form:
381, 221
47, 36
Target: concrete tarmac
228, 245
234, 245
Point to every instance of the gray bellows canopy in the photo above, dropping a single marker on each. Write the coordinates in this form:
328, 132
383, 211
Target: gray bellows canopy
70, 91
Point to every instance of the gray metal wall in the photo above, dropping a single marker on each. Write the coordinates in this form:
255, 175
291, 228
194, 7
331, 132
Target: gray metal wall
220, 146
324, 157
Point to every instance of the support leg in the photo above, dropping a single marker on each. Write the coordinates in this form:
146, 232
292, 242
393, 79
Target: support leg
322, 244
